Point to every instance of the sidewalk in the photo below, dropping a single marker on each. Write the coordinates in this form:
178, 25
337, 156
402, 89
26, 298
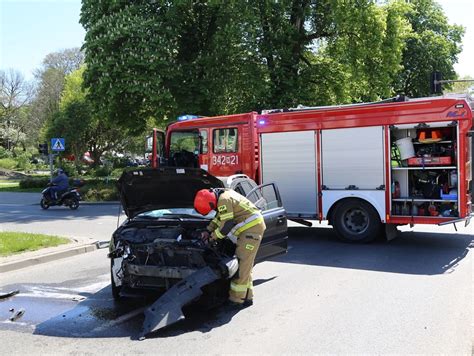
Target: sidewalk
32, 258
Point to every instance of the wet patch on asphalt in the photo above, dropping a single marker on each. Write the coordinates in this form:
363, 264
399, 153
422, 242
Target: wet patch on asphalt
59, 310
90, 312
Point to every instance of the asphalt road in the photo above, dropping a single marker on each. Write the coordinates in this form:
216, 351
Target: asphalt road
411, 295
88, 223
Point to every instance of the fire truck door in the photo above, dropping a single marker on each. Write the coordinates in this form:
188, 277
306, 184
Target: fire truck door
225, 157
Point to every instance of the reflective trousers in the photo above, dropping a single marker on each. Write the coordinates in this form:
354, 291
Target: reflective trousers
248, 242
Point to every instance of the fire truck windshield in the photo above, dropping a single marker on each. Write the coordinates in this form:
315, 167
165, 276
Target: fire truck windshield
184, 148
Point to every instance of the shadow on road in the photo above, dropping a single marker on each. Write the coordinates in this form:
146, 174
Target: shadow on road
410, 253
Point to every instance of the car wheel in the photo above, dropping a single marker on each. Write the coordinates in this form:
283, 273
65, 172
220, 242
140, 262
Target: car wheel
74, 204
44, 204
115, 289
356, 221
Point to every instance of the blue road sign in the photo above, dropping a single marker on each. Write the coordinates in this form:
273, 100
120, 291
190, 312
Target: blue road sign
57, 144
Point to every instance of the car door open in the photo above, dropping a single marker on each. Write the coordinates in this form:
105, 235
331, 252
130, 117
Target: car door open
267, 198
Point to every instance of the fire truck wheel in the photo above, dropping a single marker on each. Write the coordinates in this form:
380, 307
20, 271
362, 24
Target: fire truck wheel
356, 221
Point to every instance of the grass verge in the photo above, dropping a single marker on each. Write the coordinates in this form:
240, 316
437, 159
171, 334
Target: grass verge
9, 186
17, 242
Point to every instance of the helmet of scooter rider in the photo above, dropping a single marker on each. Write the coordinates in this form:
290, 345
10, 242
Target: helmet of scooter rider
59, 171
205, 201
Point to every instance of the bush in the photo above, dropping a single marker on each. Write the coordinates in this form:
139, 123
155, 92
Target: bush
4, 153
23, 162
103, 171
70, 169
100, 192
34, 183
7, 163
116, 173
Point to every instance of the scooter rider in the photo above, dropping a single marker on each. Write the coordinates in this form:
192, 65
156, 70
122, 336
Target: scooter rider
240, 221
59, 184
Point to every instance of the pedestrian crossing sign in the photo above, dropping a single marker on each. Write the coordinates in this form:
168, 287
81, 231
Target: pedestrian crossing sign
57, 144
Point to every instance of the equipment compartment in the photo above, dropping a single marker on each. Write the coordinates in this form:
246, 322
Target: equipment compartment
424, 171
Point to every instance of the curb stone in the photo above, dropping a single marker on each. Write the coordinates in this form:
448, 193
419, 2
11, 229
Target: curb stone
48, 257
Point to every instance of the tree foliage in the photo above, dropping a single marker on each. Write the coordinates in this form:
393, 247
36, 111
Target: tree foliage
157, 59
50, 79
81, 127
432, 45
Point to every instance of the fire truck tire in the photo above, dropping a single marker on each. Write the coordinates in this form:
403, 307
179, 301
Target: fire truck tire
355, 220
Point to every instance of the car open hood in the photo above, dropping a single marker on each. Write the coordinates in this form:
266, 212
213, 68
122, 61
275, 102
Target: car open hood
149, 189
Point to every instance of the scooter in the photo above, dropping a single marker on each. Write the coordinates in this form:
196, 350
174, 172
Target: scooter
71, 198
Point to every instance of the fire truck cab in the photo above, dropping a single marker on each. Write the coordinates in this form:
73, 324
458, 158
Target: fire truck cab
363, 167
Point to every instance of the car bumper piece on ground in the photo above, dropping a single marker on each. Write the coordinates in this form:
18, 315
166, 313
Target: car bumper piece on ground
167, 309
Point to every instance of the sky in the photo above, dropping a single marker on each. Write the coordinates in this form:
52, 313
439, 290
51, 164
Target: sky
30, 29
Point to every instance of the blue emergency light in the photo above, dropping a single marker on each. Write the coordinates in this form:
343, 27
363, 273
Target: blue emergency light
187, 117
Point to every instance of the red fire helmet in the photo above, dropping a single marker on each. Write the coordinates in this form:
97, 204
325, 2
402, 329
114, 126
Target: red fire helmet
205, 201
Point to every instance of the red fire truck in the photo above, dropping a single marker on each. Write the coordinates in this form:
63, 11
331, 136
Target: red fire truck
362, 167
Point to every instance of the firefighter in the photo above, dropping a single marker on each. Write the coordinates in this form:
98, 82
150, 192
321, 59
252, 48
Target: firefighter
240, 221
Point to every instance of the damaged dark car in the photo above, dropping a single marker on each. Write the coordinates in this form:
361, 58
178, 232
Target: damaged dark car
158, 248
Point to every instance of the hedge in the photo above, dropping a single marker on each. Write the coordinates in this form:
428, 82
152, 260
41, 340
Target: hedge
34, 183
100, 192
41, 182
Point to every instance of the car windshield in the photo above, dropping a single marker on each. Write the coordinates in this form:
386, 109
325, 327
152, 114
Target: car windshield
175, 212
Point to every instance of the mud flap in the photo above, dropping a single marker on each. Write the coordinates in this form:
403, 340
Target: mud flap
167, 309
391, 231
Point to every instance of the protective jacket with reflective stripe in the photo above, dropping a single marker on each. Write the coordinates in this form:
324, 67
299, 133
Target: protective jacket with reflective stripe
235, 214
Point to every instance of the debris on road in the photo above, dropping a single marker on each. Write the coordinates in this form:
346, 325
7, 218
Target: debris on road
9, 294
102, 244
78, 299
17, 315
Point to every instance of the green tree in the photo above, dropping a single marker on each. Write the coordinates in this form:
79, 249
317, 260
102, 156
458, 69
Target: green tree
159, 59
368, 48
330, 51
433, 45
78, 123
50, 77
